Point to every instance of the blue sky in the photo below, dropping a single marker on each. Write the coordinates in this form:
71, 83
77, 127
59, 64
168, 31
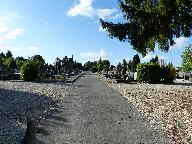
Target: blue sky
65, 27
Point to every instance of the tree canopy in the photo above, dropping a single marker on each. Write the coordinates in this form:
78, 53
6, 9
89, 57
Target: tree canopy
135, 62
187, 59
150, 22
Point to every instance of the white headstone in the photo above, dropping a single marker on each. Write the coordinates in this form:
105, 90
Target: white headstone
135, 76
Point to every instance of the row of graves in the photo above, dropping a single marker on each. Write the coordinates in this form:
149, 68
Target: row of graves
63, 68
185, 75
123, 76
129, 76
7, 75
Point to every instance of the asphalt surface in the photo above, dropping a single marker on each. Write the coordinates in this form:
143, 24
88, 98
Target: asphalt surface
96, 114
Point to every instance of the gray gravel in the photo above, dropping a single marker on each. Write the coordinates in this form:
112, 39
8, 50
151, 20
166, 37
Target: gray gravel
22, 100
96, 114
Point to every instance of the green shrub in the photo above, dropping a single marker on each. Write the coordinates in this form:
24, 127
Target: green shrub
154, 73
142, 72
149, 72
168, 74
93, 69
30, 71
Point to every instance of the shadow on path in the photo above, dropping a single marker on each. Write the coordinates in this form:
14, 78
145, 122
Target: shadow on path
15, 108
96, 114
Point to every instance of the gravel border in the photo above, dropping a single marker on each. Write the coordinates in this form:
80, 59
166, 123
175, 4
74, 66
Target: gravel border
166, 106
20, 101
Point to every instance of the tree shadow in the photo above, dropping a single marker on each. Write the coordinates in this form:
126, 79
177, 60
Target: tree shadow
181, 84
16, 107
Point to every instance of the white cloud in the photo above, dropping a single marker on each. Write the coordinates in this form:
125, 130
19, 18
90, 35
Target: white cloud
94, 55
85, 8
104, 13
116, 16
101, 29
33, 48
5, 32
12, 14
13, 33
19, 48
3, 28
181, 42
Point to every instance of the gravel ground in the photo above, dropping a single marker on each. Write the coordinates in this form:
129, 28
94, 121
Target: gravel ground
168, 107
22, 100
96, 114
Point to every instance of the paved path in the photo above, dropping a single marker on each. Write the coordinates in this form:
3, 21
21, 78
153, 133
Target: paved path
96, 114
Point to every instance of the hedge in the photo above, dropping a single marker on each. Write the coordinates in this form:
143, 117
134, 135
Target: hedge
154, 73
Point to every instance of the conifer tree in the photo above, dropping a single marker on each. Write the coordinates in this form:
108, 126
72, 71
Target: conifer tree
150, 22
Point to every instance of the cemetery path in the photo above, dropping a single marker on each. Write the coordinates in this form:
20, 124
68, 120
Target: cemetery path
96, 114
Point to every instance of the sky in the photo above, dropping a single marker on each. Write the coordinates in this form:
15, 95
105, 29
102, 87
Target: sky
69, 27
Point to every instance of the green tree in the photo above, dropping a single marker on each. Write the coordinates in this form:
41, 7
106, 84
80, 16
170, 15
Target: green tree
90, 66
187, 59
87, 66
10, 64
150, 22
119, 67
155, 60
38, 59
30, 71
78, 66
2, 55
106, 65
135, 62
100, 65
124, 69
8, 54
19, 62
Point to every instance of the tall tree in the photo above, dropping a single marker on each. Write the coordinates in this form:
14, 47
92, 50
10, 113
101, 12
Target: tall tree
119, 67
187, 59
40, 62
155, 60
38, 58
99, 65
136, 60
106, 65
9, 54
124, 68
152, 21
2, 55
19, 61
58, 65
10, 64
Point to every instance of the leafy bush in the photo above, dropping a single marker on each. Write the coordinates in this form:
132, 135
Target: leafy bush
149, 72
30, 71
142, 72
168, 74
154, 73
93, 69
154, 70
